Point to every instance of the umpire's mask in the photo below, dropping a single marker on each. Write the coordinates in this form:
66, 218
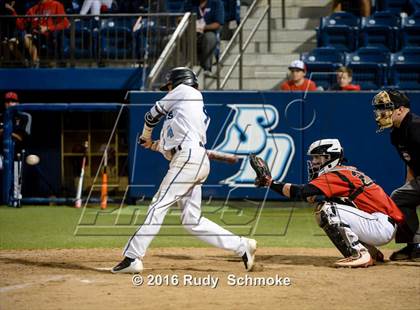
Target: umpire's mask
384, 104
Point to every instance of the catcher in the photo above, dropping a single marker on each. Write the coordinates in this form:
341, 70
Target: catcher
355, 213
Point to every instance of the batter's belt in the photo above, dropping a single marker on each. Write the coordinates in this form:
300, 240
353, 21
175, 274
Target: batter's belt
179, 147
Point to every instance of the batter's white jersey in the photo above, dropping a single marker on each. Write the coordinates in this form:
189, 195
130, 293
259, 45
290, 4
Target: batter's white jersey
186, 124
186, 119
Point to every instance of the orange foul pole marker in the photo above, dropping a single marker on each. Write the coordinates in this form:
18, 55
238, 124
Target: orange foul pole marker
104, 187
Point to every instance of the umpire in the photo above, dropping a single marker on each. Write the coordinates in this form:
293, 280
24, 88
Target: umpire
392, 110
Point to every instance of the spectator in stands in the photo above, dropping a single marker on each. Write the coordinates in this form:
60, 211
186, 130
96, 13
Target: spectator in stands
96, 7
7, 25
232, 18
22, 7
9, 50
210, 18
358, 8
42, 31
344, 79
297, 80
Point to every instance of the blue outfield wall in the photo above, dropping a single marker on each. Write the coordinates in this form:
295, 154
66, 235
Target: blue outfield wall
279, 127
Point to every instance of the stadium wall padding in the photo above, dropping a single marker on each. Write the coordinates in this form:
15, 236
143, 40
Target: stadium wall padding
68, 79
275, 125
242, 121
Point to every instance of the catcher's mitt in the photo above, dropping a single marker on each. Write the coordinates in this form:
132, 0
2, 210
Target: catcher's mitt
263, 178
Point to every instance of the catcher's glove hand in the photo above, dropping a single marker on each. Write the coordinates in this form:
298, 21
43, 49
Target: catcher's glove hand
263, 178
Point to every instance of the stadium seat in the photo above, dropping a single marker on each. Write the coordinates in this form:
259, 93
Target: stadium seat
232, 17
321, 62
85, 40
415, 5
339, 30
410, 31
116, 41
394, 6
370, 67
381, 29
405, 69
232, 10
150, 37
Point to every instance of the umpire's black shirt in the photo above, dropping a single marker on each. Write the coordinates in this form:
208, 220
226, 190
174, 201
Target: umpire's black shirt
406, 139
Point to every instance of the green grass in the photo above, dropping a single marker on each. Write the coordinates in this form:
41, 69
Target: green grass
37, 227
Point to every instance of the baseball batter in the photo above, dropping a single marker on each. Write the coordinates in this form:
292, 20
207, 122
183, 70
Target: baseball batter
182, 141
355, 213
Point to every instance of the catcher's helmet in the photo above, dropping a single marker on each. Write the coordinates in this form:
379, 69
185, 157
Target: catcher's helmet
384, 103
329, 154
180, 75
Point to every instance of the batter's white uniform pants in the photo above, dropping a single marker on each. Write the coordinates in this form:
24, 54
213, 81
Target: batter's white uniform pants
188, 169
372, 229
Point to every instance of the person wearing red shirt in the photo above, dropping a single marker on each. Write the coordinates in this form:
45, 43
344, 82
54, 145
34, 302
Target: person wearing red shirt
297, 80
9, 43
344, 79
355, 213
41, 30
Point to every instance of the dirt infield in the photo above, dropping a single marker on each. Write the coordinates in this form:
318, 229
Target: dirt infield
76, 279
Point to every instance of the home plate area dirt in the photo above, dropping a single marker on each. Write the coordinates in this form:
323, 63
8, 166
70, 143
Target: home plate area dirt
202, 278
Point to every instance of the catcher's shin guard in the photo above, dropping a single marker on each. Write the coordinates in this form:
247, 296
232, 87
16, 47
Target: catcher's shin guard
337, 232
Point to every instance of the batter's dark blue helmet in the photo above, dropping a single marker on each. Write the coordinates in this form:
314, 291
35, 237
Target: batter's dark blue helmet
180, 75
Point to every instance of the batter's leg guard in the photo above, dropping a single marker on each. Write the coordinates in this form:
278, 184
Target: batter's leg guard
339, 233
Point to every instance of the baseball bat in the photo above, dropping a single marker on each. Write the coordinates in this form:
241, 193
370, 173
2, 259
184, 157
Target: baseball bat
212, 154
78, 201
223, 157
104, 187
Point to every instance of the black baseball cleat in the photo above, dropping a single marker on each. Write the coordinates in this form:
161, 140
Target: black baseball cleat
249, 256
411, 251
415, 253
128, 265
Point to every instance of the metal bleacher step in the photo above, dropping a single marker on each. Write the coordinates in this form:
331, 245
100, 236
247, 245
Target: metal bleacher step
263, 69
262, 59
271, 71
297, 12
291, 24
285, 35
248, 84
279, 48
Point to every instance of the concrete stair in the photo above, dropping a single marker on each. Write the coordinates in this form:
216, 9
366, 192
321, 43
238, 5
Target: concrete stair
264, 70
